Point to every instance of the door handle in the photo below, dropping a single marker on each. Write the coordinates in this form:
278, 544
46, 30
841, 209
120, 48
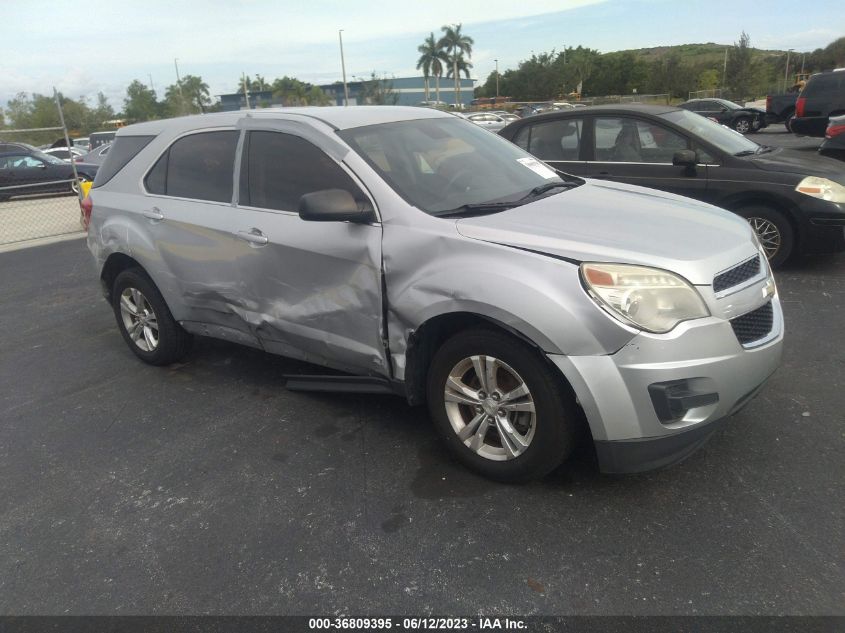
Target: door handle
254, 236
153, 214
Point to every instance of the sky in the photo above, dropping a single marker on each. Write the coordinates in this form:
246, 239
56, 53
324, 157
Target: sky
106, 45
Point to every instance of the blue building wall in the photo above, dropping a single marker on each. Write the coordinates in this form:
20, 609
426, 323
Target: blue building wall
411, 91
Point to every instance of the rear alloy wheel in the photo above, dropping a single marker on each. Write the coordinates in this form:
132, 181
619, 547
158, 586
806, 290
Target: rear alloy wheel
145, 321
742, 125
774, 231
499, 407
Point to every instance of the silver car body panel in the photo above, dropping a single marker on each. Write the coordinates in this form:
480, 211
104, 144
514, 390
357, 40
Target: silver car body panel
352, 296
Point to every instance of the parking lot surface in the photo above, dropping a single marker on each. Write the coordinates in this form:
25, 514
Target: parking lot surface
206, 487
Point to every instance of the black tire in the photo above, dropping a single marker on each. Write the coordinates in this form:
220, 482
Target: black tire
742, 125
787, 118
173, 342
555, 416
765, 220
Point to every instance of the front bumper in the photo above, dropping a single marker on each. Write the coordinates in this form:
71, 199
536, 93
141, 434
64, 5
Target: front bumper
703, 355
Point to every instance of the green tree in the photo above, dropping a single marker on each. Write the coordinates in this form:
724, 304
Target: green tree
140, 103
462, 66
378, 90
188, 96
431, 62
456, 45
738, 72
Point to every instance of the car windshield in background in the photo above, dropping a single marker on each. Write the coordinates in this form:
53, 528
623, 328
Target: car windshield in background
47, 158
443, 165
725, 139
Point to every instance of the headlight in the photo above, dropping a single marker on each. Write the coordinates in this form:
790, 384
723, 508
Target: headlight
822, 188
647, 298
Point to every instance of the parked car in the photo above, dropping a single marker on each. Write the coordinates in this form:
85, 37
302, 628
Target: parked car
508, 117
8, 146
428, 258
95, 157
533, 109
487, 120
834, 138
822, 98
735, 116
64, 153
95, 139
795, 201
25, 173
83, 143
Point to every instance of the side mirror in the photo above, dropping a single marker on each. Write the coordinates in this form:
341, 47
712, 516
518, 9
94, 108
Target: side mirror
334, 205
685, 158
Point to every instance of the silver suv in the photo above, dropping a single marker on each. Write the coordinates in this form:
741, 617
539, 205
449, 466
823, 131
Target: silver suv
424, 256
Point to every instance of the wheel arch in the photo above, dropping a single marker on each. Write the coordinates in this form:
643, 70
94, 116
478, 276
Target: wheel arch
746, 199
115, 264
424, 341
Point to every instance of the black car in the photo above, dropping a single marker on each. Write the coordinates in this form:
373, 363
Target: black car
795, 200
24, 172
834, 138
822, 97
735, 116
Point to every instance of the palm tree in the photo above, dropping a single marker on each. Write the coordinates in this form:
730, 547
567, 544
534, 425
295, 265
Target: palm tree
457, 44
463, 67
428, 54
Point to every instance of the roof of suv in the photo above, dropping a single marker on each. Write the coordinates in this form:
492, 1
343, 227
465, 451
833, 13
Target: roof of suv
338, 117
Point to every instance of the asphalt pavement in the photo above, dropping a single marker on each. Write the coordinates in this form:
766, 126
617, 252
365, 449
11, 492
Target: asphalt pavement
206, 487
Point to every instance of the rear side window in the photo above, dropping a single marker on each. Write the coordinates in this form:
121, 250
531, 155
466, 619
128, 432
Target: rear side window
198, 166
278, 169
554, 140
125, 148
826, 84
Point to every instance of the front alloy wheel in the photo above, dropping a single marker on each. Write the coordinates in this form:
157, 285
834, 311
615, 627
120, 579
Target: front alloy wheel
139, 319
742, 125
768, 233
500, 406
490, 407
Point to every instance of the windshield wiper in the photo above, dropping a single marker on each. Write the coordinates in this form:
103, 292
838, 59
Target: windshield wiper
476, 208
746, 152
541, 189
765, 149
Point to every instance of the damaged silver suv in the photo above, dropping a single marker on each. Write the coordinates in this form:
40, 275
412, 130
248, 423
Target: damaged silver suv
424, 256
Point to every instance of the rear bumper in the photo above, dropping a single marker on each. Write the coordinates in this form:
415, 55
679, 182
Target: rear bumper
809, 125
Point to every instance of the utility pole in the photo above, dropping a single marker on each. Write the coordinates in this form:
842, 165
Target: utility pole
564, 53
803, 57
497, 79
179, 85
246, 94
786, 72
151, 83
343, 68
725, 69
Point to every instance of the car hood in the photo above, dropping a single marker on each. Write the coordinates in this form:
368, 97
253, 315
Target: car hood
790, 161
615, 222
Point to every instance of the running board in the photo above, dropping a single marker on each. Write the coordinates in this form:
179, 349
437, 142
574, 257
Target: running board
339, 384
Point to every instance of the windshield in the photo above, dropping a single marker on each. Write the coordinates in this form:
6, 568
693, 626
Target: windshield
444, 164
47, 158
725, 139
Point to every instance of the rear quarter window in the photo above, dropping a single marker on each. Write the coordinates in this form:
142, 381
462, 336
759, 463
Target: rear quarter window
825, 85
198, 166
123, 149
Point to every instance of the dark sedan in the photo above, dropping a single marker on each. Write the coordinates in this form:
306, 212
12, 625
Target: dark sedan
795, 200
735, 116
27, 172
834, 138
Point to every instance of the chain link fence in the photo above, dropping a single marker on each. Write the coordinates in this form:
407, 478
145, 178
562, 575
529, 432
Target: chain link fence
39, 193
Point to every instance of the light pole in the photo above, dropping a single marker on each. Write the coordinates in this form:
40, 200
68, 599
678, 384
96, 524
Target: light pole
725, 69
179, 85
497, 79
786, 72
343, 68
564, 53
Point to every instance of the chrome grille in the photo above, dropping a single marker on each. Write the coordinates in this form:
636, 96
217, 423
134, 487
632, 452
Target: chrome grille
753, 325
736, 275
